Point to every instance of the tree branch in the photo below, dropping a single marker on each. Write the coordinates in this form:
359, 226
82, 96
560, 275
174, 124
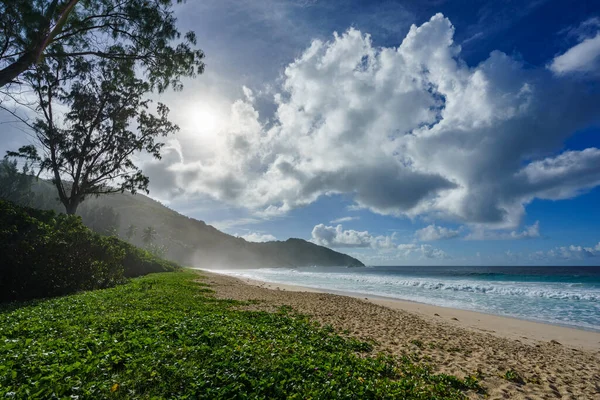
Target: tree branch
57, 28
113, 56
34, 54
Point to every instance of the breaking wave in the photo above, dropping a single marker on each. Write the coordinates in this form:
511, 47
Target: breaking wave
571, 302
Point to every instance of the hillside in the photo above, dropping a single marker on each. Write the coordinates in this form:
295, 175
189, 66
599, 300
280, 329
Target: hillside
192, 242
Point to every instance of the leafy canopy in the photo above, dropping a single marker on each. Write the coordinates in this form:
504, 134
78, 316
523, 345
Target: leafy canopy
131, 232
149, 235
141, 31
15, 185
89, 149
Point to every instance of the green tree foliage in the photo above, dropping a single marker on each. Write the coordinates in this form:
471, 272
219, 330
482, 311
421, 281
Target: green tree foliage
15, 185
149, 235
89, 150
141, 31
45, 254
131, 232
103, 220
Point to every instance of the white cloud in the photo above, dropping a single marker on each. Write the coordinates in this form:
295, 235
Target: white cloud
583, 57
344, 219
426, 251
532, 231
408, 131
229, 223
407, 247
529, 232
429, 251
563, 176
384, 243
433, 232
336, 236
572, 252
586, 29
257, 237
248, 93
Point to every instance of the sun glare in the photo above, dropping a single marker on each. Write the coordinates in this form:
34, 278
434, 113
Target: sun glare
203, 118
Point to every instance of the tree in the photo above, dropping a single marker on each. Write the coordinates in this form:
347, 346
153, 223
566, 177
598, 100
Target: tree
131, 231
103, 220
149, 235
89, 151
141, 31
15, 185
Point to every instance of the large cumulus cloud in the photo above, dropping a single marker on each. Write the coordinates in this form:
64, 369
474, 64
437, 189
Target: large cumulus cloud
410, 131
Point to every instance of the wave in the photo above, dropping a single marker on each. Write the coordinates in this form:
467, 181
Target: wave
387, 283
574, 304
505, 290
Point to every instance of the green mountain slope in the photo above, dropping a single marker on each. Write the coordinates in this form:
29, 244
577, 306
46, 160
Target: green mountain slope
192, 242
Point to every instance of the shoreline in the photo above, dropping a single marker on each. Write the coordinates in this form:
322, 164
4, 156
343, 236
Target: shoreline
526, 331
552, 362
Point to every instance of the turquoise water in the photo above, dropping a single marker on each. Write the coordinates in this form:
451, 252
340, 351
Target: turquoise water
568, 296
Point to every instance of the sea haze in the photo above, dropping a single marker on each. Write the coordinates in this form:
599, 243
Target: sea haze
568, 296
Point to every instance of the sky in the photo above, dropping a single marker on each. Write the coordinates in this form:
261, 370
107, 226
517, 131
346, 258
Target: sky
425, 132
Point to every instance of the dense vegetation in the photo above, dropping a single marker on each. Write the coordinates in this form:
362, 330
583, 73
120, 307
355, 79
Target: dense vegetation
46, 254
164, 336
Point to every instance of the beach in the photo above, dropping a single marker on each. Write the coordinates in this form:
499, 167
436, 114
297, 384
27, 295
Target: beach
513, 358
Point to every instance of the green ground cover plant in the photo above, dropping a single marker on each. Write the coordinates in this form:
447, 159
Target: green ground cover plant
513, 376
165, 336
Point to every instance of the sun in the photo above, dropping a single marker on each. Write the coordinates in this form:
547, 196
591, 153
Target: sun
204, 118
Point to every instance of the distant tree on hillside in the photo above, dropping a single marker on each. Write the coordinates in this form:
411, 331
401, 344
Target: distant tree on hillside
89, 150
103, 220
15, 185
131, 231
142, 31
149, 235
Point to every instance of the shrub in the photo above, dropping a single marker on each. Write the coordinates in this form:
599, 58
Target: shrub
138, 262
46, 254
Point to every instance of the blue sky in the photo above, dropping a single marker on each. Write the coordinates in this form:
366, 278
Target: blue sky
420, 133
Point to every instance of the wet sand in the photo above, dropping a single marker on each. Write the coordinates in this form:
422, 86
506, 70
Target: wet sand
555, 362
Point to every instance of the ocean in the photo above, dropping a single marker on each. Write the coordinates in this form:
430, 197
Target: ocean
567, 296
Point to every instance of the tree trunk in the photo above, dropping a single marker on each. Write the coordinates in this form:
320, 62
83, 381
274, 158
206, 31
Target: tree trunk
71, 207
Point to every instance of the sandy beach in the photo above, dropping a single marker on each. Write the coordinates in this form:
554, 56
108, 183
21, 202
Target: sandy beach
553, 361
